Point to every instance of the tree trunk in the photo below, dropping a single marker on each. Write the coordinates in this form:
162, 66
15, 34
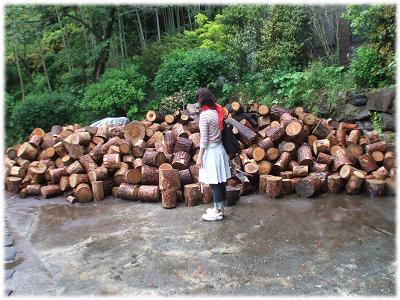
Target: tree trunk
19, 70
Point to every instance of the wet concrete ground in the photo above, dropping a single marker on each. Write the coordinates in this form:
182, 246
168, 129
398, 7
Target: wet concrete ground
330, 245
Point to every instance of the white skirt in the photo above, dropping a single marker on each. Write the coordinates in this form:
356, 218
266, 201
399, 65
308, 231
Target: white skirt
216, 167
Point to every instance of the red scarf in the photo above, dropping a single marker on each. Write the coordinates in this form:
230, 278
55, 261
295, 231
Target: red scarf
220, 112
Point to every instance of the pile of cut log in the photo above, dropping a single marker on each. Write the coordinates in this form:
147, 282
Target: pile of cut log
282, 152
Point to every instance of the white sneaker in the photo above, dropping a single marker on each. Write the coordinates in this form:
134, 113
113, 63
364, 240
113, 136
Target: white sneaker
211, 210
212, 217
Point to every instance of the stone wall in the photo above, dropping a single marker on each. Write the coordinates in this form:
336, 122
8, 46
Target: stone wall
358, 108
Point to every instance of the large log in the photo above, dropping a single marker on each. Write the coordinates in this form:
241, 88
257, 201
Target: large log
262, 184
98, 174
379, 146
375, 187
169, 179
308, 186
27, 151
149, 193
232, 195
282, 163
119, 175
33, 190
169, 198
170, 140
134, 131
274, 187
246, 135
74, 168
57, 173
185, 177
206, 194
13, 184
264, 167
76, 179
150, 175
128, 191
347, 170
192, 194
153, 158
112, 161
287, 186
181, 160
340, 158
88, 163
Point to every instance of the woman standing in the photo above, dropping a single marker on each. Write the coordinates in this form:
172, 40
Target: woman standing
212, 159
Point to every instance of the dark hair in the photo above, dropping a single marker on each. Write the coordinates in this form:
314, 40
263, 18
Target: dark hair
205, 97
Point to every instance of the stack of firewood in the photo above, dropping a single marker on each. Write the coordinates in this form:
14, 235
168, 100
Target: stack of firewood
282, 151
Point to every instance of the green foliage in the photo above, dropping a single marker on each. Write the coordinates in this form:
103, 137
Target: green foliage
374, 64
319, 88
42, 110
284, 38
366, 68
189, 70
119, 92
11, 135
376, 118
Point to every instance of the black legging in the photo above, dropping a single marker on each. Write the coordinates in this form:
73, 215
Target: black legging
219, 193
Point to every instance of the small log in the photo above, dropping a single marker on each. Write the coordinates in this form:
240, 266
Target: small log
157, 136
335, 184
27, 151
32, 190
23, 163
282, 163
262, 184
103, 132
378, 156
181, 160
354, 150
263, 110
300, 171
292, 164
168, 198
340, 158
192, 194
372, 137
276, 112
264, 167
149, 193
263, 122
297, 111
318, 167
353, 137
380, 173
304, 155
246, 135
308, 186
251, 168
112, 161
347, 170
266, 143
367, 163
97, 190
137, 163
379, 146
13, 184
119, 175
390, 186
355, 183
169, 179
124, 147
57, 173
128, 191
49, 191
64, 184
170, 140
258, 154
274, 187
37, 171
83, 193
308, 118
17, 171
321, 130
134, 131
290, 148
341, 136
98, 174
324, 158
285, 119
363, 141
389, 161
35, 140
321, 146
275, 133
183, 144
97, 140
87, 163
232, 195
133, 176
273, 154
138, 148
11, 153
375, 187
150, 175
332, 138
76, 179
153, 158
75, 168
185, 177
154, 116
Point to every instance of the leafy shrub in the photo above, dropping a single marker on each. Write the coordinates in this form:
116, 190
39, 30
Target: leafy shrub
374, 64
367, 69
188, 70
119, 92
43, 110
319, 88
376, 118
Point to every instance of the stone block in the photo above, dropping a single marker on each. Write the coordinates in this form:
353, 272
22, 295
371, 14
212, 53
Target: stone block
388, 122
381, 100
351, 113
